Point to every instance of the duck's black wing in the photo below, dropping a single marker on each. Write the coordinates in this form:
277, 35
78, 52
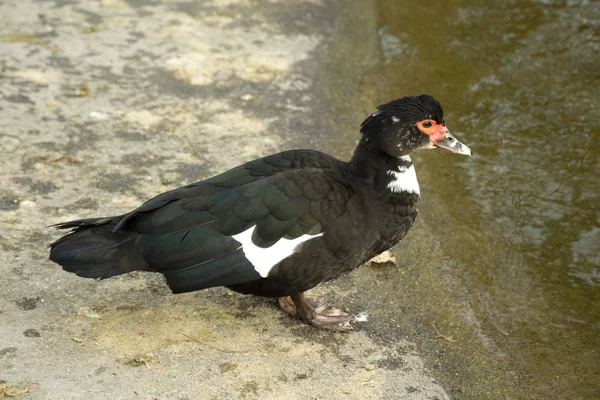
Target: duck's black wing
187, 233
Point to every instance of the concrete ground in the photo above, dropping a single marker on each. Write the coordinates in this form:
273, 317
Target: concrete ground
104, 104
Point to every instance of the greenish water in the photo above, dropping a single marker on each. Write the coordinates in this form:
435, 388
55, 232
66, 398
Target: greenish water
520, 220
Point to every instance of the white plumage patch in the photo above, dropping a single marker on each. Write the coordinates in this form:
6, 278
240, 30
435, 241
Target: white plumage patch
404, 180
263, 259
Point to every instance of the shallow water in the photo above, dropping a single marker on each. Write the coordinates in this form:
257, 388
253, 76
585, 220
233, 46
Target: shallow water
520, 83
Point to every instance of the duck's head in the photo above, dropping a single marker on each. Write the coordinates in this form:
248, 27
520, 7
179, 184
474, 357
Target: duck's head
406, 125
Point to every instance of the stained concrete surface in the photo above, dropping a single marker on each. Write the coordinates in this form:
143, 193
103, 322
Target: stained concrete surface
104, 104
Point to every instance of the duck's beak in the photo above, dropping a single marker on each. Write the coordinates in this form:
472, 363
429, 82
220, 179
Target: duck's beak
450, 143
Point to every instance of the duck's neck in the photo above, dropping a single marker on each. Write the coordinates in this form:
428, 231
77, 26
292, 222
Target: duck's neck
382, 172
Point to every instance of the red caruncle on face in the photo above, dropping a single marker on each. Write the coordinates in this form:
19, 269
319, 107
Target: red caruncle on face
432, 129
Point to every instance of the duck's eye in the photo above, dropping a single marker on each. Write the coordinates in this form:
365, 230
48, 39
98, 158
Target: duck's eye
427, 124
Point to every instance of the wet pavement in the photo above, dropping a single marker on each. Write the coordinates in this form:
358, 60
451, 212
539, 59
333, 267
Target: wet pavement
519, 221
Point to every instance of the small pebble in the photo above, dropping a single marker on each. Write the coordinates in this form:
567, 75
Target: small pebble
82, 91
31, 333
27, 204
98, 115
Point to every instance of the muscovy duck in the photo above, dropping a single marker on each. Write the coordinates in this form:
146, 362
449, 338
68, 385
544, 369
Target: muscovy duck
276, 226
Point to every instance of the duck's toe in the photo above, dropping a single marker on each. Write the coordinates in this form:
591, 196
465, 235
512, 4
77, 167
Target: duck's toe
331, 318
287, 305
317, 313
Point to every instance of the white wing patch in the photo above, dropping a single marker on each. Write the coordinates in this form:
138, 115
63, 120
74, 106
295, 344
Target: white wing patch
404, 180
263, 259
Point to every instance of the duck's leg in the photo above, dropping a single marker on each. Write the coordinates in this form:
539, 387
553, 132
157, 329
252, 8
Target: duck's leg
317, 313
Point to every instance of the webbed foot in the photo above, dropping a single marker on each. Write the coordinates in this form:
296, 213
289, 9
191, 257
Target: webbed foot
317, 313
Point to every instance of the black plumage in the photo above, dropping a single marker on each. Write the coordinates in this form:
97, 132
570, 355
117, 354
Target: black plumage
345, 213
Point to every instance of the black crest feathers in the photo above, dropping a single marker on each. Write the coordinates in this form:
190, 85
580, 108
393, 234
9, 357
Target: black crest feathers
409, 109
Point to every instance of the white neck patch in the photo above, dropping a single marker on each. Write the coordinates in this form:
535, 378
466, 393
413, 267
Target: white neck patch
404, 180
263, 259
